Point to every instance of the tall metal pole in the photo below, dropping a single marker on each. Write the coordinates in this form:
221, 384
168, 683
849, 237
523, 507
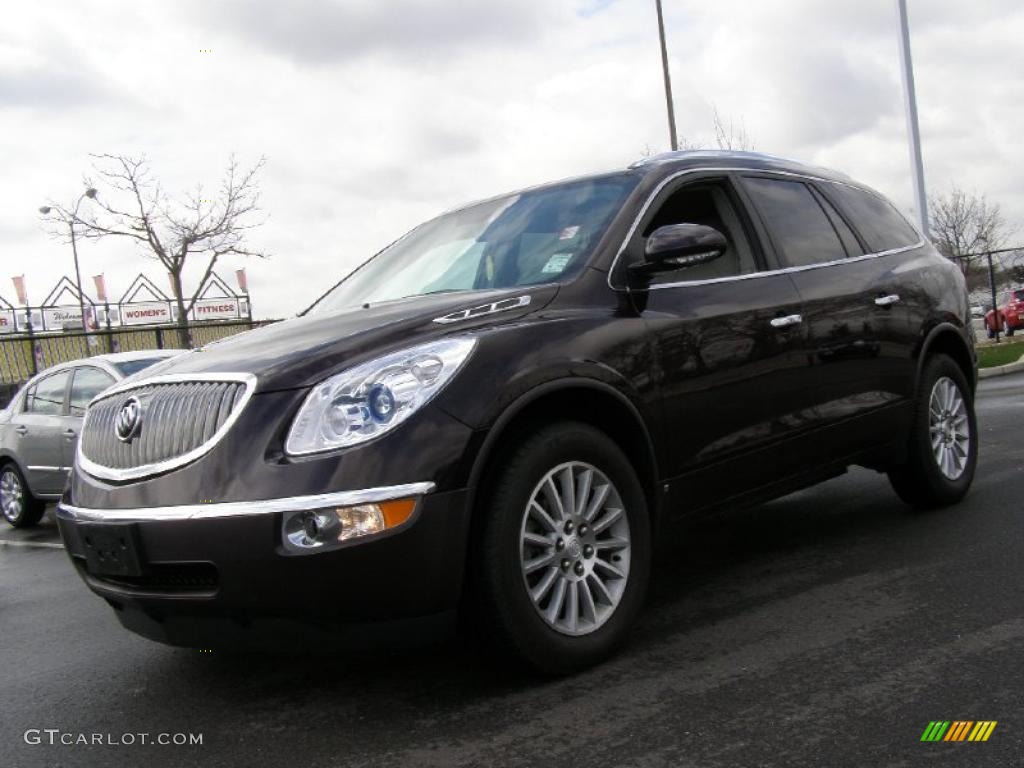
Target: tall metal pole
668, 79
913, 132
992, 287
78, 273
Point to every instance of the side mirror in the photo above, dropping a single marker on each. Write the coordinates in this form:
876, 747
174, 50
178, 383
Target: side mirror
676, 246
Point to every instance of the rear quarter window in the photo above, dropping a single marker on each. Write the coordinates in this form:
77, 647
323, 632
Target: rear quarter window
880, 225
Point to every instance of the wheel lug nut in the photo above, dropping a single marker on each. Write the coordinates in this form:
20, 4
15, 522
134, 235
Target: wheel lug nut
578, 569
584, 530
560, 545
588, 551
565, 565
568, 526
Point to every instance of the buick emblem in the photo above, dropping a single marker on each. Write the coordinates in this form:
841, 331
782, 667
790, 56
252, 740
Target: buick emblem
129, 420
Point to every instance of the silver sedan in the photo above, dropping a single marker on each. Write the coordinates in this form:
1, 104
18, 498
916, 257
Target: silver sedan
39, 428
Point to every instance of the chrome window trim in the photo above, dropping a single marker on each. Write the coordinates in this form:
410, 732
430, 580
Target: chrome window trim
147, 470
749, 275
246, 508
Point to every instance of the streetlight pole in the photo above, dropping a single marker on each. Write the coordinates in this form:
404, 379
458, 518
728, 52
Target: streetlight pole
668, 79
913, 131
91, 194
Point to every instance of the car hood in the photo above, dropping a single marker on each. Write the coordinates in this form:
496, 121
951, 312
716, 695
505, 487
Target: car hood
301, 351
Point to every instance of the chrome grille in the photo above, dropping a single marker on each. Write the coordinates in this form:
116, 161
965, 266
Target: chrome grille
180, 420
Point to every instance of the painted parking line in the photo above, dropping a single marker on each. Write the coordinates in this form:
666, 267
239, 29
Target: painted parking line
31, 544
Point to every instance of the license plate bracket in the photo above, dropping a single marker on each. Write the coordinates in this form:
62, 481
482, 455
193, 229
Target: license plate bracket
111, 549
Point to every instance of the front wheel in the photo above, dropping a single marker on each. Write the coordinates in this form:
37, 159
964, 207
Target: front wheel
943, 446
563, 554
1007, 328
20, 508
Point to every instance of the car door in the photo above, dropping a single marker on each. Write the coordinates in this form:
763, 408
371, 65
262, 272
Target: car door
856, 327
727, 343
87, 382
891, 283
38, 433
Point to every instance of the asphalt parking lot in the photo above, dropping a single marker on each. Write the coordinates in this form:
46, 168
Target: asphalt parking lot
827, 628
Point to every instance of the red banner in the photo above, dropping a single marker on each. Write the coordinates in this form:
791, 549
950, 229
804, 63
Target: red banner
19, 288
101, 288
243, 283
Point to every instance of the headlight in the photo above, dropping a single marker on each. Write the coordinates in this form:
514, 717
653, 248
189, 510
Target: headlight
371, 399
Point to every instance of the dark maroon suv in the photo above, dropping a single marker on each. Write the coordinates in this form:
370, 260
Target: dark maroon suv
500, 412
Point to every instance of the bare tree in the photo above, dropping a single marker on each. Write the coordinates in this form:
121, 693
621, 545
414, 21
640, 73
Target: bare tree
964, 225
728, 135
196, 226
732, 136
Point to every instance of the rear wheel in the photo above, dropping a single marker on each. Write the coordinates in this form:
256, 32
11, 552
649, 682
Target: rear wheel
563, 554
20, 508
943, 447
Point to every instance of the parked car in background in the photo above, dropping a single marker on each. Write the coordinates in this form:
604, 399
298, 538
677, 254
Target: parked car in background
500, 412
39, 428
1009, 317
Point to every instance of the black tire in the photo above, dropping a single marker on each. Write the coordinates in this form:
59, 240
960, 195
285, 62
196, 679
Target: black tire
920, 482
31, 509
503, 609
1007, 329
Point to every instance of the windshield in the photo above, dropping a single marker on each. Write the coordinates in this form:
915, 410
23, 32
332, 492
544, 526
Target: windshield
536, 236
128, 367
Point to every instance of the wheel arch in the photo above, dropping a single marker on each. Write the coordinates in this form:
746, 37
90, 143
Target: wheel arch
572, 399
948, 339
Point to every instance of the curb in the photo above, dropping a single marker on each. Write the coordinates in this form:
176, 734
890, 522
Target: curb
1001, 370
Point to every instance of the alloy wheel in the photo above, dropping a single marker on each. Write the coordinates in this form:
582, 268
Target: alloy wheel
12, 496
949, 428
574, 548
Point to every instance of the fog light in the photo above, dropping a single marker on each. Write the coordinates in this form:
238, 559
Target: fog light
360, 521
323, 528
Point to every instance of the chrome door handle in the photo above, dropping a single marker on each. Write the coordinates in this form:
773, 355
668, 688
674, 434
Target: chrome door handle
786, 321
887, 301
21, 430
69, 434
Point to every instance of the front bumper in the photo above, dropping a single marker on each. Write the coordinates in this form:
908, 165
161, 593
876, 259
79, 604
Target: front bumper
213, 573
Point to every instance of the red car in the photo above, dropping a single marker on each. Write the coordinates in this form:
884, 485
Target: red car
1009, 317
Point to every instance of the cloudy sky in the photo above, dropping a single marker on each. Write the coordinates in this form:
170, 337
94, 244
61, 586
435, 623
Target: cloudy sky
375, 115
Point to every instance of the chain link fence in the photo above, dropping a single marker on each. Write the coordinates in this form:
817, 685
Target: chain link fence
24, 355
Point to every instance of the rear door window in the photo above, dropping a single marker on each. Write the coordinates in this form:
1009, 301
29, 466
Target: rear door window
880, 225
799, 226
850, 243
47, 397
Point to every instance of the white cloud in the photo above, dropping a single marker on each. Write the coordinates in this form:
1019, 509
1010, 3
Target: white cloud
373, 115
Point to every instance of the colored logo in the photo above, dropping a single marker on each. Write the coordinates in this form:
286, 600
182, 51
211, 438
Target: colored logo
958, 730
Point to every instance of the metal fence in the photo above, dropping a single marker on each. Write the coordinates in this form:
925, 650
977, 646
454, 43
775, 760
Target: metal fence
24, 355
991, 277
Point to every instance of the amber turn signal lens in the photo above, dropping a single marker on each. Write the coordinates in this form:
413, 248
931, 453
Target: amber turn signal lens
397, 512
